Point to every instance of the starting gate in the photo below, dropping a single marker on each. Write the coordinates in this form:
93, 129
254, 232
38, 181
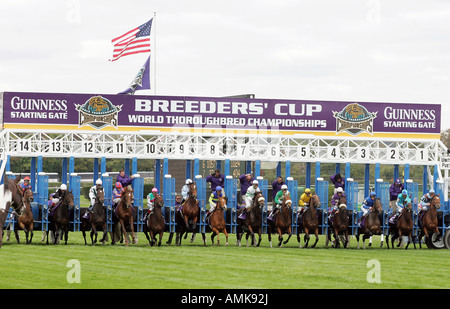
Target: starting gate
138, 187
293, 190
169, 201
352, 203
42, 190
231, 186
263, 184
413, 193
322, 192
108, 202
74, 186
382, 191
201, 197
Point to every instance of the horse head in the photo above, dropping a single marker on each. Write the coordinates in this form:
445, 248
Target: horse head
343, 201
287, 202
314, 201
28, 195
68, 199
100, 195
127, 197
408, 206
159, 201
221, 202
435, 202
259, 199
193, 191
377, 206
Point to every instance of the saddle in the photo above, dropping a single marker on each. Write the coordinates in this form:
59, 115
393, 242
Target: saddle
52, 210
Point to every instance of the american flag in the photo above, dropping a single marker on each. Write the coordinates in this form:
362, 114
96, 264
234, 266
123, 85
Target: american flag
135, 41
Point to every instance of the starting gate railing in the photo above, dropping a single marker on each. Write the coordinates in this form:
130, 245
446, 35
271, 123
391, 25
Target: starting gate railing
293, 190
231, 186
169, 201
413, 193
322, 191
201, 197
352, 203
138, 194
108, 202
382, 191
75, 187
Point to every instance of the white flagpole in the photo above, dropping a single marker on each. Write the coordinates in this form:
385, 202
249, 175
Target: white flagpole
154, 53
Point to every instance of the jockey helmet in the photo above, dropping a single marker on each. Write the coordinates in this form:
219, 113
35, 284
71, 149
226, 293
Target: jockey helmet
373, 193
431, 191
63, 187
98, 182
188, 181
26, 179
255, 182
218, 188
307, 190
339, 190
118, 184
284, 187
405, 192
155, 190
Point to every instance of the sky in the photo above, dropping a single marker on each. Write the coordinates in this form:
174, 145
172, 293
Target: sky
349, 50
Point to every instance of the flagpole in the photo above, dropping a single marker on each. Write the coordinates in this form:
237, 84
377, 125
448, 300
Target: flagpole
154, 53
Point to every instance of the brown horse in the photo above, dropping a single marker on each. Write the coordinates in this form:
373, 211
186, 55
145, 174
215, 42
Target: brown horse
339, 225
404, 227
25, 219
97, 219
252, 223
61, 218
283, 221
155, 222
217, 221
11, 196
372, 225
429, 222
310, 221
124, 212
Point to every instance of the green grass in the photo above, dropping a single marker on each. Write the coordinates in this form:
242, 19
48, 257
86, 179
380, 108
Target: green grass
195, 266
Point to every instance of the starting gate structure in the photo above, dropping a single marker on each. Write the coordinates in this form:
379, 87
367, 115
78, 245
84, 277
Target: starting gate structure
42, 190
322, 192
108, 189
231, 192
201, 197
75, 187
352, 204
138, 193
169, 201
382, 191
293, 190
263, 184
413, 193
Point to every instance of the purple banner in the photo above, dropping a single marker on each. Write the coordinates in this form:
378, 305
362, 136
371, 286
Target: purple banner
126, 112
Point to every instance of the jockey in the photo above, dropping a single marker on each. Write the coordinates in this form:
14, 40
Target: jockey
185, 190
117, 193
368, 203
26, 184
425, 201
335, 201
93, 193
177, 201
279, 198
213, 199
401, 201
59, 195
151, 199
303, 202
250, 195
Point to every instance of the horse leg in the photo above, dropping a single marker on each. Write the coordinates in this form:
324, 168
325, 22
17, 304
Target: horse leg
306, 238
152, 239
357, 238
124, 232
269, 236
259, 236
250, 233
16, 233
161, 234
194, 224
84, 235
215, 231
289, 235
133, 236
400, 238
420, 238
316, 233
280, 237
66, 235
31, 234
226, 236
169, 241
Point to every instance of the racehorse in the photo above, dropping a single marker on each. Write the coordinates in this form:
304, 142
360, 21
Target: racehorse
310, 221
61, 218
155, 222
339, 224
429, 221
403, 227
190, 212
253, 222
217, 221
25, 219
282, 222
124, 212
97, 219
11, 195
371, 224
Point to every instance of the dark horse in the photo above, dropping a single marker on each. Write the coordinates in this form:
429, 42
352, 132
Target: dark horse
404, 227
25, 219
124, 212
155, 222
253, 222
339, 224
282, 223
190, 212
61, 218
372, 225
310, 221
217, 221
11, 196
97, 219
429, 222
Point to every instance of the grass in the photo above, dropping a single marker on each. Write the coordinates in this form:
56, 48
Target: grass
195, 266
